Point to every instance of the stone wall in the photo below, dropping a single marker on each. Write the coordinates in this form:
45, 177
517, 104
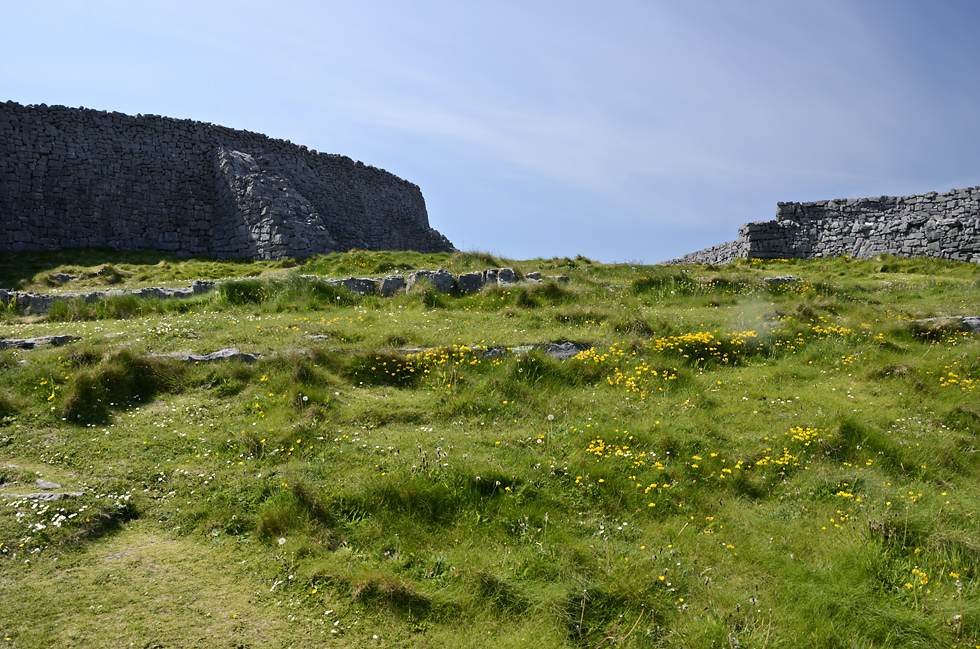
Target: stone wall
935, 225
78, 178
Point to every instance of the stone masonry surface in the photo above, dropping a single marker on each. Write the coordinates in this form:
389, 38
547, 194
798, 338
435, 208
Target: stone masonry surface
79, 178
934, 225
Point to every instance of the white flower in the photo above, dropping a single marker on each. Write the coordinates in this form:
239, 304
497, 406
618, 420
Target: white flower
282, 541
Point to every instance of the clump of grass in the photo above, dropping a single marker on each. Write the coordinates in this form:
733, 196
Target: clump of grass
664, 282
293, 508
119, 379
321, 294
381, 588
9, 407
473, 260
635, 325
581, 317
934, 329
10, 474
107, 274
244, 291
426, 294
500, 592
106, 519
382, 367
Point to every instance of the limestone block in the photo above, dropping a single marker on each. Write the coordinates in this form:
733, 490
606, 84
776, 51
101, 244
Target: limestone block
361, 285
506, 276
440, 279
470, 282
391, 284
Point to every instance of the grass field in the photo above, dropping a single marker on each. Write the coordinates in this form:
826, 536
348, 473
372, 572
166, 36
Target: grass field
730, 463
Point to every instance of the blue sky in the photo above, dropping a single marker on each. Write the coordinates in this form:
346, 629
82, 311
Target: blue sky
623, 130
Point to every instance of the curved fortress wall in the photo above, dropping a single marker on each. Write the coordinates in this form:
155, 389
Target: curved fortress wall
935, 225
78, 178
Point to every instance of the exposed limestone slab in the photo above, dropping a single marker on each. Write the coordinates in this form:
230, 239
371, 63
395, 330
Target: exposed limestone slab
565, 350
785, 279
44, 497
967, 323
230, 354
31, 343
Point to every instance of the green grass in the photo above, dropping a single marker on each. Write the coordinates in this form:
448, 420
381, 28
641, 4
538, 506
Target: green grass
732, 463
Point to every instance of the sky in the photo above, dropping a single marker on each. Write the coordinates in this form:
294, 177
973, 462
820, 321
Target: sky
624, 131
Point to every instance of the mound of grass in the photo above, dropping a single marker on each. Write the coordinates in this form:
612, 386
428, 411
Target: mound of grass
118, 380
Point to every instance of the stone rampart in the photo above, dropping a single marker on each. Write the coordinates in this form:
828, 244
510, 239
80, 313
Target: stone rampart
78, 178
935, 225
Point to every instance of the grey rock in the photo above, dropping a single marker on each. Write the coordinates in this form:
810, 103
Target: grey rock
391, 285
230, 354
200, 286
470, 282
363, 286
785, 279
31, 343
44, 484
969, 324
565, 350
44, 497
506, 276
441, 280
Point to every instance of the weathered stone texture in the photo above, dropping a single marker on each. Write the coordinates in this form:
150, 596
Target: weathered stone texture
76, 178
934, 225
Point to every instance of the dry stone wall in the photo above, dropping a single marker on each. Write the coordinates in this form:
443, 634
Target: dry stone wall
78, 178
935, 225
